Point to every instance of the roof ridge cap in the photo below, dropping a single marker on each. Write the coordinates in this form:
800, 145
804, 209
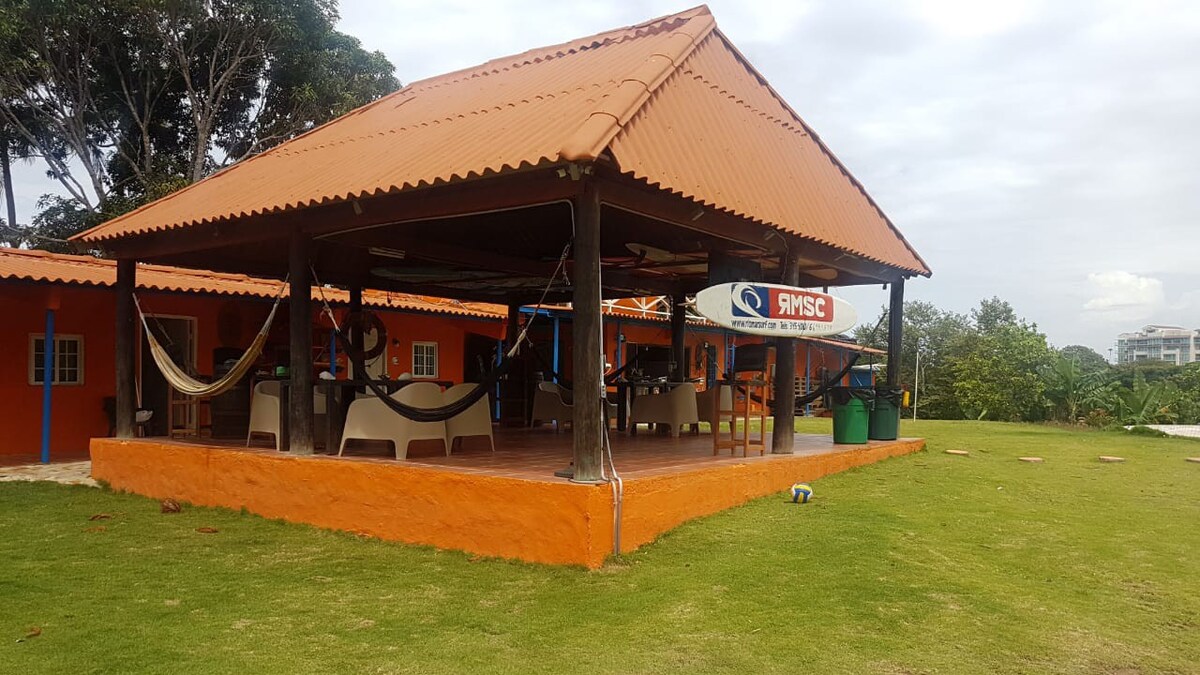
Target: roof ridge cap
613, 111
613, 35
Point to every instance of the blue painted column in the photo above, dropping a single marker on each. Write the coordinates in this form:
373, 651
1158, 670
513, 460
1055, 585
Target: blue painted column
554, 354
47, 384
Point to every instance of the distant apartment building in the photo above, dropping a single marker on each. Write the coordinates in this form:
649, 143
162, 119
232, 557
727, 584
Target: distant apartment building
1172, 344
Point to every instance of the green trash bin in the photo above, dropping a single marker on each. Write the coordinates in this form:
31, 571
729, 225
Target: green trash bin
885, 415
851, 414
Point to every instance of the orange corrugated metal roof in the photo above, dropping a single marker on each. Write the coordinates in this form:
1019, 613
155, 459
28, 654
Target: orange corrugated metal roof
673, 100
42, 266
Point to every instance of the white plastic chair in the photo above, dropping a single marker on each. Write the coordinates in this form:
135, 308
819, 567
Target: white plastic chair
264, 411
550, 405
704, 405
370, 419
674, 408
474, 421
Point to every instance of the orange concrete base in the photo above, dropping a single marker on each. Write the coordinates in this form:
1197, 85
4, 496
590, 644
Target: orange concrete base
545, 521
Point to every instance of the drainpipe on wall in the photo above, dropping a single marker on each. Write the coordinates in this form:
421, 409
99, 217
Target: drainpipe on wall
47, 383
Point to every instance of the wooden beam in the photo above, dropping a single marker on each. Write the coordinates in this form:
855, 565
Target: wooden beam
622, 192
588, 354
300, 371
126, 346
895, 332
493, 193
783, 440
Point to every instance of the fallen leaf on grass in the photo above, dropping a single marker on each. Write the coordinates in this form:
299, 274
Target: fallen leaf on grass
101, 516
33, 632
170, 506
206, 530
98, 528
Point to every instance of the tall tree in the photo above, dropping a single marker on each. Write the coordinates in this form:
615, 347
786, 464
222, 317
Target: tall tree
998, 368
1089, 360
140, 97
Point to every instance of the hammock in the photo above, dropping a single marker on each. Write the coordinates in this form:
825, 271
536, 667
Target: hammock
184, 383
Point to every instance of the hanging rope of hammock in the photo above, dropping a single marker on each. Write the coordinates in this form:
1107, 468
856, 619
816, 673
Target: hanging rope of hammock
442, 413
184, 383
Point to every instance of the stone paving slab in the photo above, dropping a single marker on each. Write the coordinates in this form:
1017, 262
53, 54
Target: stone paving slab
68, 473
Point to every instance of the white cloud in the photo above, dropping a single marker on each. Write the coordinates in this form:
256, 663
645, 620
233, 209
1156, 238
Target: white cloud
1130, 295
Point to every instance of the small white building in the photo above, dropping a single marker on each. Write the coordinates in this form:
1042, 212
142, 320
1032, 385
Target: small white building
1173, 344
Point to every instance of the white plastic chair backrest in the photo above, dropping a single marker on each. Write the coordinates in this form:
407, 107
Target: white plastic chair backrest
550, 387
267, 388
420, 395
457, 392
684, 390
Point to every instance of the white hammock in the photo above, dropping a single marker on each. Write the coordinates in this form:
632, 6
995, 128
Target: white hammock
190, 386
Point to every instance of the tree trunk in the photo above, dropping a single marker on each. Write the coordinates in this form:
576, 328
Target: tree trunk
10, 199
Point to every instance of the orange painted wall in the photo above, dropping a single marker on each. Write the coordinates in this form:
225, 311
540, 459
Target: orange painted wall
549, 521
546, 522
448, 332
78, 410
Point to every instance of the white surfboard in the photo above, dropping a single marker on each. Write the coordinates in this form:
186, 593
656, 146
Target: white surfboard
775, 310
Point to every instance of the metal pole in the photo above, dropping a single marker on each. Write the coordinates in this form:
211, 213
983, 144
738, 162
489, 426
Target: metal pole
47, 383
916, 380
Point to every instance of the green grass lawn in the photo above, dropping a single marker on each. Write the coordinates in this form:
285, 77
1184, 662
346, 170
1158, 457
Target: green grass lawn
926, 563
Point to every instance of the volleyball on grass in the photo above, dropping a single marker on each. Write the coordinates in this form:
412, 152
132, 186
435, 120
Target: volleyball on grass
801, 493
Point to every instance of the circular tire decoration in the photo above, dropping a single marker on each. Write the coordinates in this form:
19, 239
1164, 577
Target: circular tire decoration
367, 322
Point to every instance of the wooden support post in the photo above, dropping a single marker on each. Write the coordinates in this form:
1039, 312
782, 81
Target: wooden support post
300, 369
126, 356
895, 332
783, 440
588, 354
678, 340
356, 334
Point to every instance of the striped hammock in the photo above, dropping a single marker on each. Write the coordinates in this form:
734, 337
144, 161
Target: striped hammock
190, 386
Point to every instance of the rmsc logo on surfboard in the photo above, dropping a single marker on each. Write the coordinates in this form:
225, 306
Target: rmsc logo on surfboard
773, 302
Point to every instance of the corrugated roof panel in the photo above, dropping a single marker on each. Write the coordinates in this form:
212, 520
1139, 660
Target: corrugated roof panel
671, 98
712, 109
45, 267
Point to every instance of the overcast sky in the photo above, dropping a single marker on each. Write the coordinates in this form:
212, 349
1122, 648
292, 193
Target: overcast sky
1045, 152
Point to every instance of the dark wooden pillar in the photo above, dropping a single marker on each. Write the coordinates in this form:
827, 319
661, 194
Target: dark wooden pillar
126, 349
783, 439
355, 334
588, 355
300, 398
895, 332
678, 340
513, 326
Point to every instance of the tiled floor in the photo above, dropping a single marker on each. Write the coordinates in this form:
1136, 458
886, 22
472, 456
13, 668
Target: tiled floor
535, 454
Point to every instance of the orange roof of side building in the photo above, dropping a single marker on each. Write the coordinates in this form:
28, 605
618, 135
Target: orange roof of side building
45, 267
671, 102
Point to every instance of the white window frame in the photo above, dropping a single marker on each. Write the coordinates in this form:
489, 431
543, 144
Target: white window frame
35, 373
420, 373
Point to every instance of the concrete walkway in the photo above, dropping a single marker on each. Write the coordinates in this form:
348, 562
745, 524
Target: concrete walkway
1185, 430
68, 473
